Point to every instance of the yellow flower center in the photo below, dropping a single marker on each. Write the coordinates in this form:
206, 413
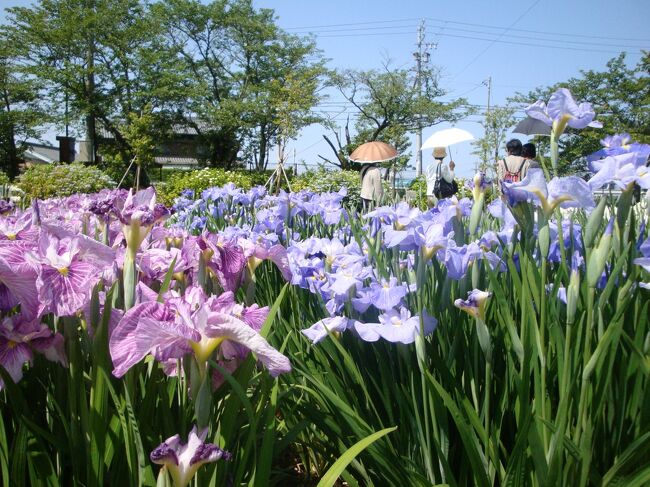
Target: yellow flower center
11, 236
204, 348
64, 271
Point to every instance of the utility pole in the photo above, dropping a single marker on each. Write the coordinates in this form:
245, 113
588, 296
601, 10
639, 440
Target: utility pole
488, 83
422, 57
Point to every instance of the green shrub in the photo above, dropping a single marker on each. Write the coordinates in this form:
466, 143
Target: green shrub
57, 180
4, 179
202, 179
324, 180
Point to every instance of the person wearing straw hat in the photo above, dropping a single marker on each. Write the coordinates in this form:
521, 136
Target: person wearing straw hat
440, 177
371, 188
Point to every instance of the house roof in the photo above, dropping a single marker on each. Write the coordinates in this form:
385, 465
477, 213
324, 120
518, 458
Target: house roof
41, 153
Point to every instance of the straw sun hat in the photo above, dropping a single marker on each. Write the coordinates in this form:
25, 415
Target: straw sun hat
439, 152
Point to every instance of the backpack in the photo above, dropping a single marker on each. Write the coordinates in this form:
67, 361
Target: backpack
513, 177
442, 188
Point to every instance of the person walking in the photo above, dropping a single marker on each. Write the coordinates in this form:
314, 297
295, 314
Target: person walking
529, 153
440, 177
513, 167
371, 188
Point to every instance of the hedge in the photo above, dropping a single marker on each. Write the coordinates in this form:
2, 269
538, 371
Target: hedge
202, 179
58, 180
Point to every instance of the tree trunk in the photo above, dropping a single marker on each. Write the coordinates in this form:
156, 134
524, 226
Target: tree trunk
91, 127
11, 154
262, 158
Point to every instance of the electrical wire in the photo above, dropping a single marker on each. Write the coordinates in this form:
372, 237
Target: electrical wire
533, 5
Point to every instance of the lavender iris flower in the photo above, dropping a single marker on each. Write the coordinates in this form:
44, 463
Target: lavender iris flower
563, 110
457, 259
387, 294
570, 192
401, 327
182, 325
184, 460
613, 145
532, 187
622, 170
319, 330
347, 277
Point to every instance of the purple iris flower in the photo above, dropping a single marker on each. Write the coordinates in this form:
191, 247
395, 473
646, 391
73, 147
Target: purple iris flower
68, 268
620, 170
563, 110
186, 324
431, 236
6, 207
474, 304
140, 208
347, 277
19, 338
478, 184
401, 327
363, 300
404, 239
613, 145
17, 280
102, 204
498, 209
319, 330
643, 262
367, 331
137, 213
404, 215
570, 192
457, 259
224, 257
183, 460
263, 249
532, 187
18, 227
154, 263
644, 248
571, 233
387, 294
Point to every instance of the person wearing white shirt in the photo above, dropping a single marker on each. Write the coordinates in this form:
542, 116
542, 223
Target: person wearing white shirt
438, 169
371, 189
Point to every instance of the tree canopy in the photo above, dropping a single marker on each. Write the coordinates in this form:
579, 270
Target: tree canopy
223, 68
621, 98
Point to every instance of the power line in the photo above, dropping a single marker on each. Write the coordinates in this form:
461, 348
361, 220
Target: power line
499, 37
487, 26
364, 31
585, 36
491, 40
355, 23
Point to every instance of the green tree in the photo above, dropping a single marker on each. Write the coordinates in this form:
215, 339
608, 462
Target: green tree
389, 105
495, 127
251, 83
107, 57
621, 98
21, 115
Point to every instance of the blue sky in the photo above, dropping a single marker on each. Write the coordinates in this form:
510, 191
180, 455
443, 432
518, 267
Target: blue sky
520, 44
